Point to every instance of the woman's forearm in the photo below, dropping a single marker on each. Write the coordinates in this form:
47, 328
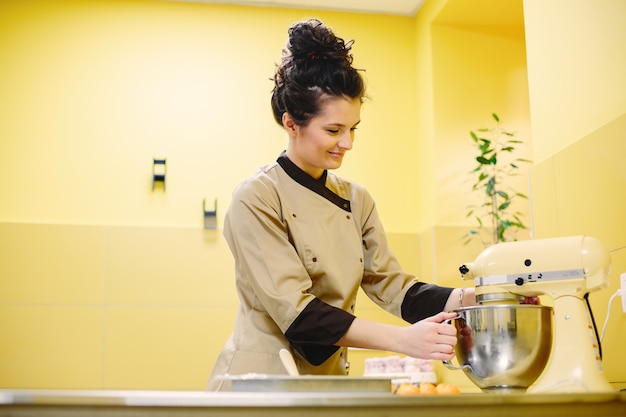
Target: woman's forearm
431, 338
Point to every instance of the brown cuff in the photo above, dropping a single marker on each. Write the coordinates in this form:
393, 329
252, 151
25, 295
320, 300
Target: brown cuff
424, 300
315, 331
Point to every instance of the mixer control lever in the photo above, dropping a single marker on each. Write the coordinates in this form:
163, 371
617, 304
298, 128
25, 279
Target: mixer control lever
519, 281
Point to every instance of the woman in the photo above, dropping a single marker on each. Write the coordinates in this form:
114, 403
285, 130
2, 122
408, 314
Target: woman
304, 239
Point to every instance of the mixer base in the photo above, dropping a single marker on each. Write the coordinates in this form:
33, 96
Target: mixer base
504, 390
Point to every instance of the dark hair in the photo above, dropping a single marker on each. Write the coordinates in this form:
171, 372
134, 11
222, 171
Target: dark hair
315, 64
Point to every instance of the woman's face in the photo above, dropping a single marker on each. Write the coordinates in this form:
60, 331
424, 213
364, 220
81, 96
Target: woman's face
322, 143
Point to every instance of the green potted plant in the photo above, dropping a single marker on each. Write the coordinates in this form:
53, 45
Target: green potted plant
496, 165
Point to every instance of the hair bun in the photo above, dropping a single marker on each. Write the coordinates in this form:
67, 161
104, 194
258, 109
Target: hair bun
314, 63
312, 40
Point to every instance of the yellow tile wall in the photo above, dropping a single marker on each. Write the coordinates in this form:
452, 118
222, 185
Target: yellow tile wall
51, 264
162, 348
168, 267
51, 346
112, 307
582, 190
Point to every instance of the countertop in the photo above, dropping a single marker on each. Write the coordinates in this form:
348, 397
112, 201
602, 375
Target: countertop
57, 403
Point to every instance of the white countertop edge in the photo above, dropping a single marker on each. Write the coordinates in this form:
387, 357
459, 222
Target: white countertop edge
282, 399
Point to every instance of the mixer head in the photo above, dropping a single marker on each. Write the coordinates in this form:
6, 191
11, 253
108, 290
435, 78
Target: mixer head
512, 271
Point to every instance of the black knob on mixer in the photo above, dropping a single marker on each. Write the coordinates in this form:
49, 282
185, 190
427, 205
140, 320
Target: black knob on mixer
519, 281
463, 269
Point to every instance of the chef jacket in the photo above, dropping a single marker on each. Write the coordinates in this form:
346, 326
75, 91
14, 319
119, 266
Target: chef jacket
302, 248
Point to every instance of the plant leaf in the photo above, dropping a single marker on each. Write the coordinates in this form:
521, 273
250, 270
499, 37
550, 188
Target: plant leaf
491, 179
489, 186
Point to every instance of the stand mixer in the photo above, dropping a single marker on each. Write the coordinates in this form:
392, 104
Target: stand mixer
565, 269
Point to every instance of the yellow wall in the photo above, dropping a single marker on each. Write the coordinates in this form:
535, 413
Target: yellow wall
93, 90
469, 66
578, 109
576, 66
106, 284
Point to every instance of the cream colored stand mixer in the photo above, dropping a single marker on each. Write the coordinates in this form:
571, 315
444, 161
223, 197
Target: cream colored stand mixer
565, 269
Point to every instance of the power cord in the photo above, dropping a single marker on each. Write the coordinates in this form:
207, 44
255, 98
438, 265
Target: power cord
595, 328
608, 312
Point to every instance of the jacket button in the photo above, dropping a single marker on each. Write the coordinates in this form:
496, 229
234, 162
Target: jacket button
314, 259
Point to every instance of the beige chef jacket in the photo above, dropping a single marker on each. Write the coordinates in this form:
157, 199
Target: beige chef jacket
302, 248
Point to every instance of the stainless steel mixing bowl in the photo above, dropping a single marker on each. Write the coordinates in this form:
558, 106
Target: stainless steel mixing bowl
503, 347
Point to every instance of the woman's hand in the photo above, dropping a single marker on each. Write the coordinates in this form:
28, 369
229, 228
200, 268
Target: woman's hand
431, 338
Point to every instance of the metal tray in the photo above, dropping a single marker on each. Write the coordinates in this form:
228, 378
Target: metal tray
307, 383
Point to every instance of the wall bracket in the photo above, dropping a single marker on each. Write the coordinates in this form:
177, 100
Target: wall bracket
210, 216
159, 169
